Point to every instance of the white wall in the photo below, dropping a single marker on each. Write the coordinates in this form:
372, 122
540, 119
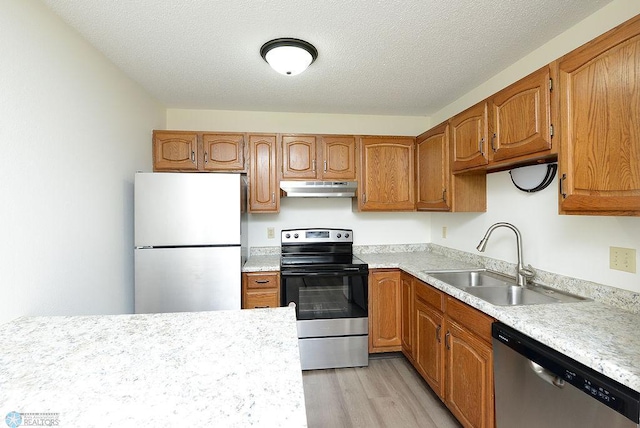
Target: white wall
257, 121
74, 129
369, 228
576, 246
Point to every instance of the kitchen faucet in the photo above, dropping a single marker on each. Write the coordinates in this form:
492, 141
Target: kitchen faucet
523, 274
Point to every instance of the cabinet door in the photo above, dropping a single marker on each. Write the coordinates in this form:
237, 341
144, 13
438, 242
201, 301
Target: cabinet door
387, 174
175, 151
260, 290
338, 158
384, 311
299, 157
520, 117
599, 106
469, 133
432, 169
264, 195
407, 321
428, 346
469, 377
223, 152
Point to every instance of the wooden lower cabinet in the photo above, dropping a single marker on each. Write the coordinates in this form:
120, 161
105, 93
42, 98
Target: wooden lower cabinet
429, 346
260, 290
407, 326
469, 377
384, 311
452, 352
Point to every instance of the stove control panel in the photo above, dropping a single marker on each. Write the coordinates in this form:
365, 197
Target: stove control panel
316, 235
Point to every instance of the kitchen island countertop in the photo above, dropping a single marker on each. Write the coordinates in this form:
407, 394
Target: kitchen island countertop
599, 335
223, 368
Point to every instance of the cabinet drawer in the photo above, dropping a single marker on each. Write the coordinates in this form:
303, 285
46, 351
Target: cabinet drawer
470, 318
262, 281
429, 295
261, 299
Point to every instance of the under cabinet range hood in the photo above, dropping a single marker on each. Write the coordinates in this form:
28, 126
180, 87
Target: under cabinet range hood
319, 189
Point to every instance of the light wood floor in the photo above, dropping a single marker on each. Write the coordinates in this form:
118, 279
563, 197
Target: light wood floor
388, 393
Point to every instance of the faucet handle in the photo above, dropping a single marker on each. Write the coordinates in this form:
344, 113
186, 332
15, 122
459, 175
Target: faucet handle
529, 272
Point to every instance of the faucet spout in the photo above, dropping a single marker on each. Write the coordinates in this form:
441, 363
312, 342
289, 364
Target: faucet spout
523, 274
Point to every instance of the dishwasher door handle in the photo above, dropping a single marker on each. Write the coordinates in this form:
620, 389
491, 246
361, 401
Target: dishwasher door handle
546, 375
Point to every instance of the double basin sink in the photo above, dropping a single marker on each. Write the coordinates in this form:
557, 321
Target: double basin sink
502, 290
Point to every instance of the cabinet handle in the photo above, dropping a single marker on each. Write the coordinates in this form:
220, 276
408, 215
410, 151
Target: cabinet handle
263, 281
325, 166
446, 340
444, 195
313, 165
193, 156
438, 338
480, 146
273, 197
364, 198
206, 157
261, 307
562, 192
493, 139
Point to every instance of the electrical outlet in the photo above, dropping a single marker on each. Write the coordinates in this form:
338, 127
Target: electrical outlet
623, 259
444, 232
271, 233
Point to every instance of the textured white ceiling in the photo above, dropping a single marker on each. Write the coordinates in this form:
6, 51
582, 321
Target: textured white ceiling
392, 57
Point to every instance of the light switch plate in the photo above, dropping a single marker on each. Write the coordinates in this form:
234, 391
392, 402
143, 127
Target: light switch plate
271, 233
623, 259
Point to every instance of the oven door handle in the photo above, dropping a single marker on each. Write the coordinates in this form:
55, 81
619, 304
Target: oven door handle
345, 272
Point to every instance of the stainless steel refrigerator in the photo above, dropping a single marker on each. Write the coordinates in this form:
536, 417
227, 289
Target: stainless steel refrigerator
190, 241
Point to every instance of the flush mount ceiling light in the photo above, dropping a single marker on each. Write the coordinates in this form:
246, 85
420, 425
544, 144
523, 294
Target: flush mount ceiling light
289, 56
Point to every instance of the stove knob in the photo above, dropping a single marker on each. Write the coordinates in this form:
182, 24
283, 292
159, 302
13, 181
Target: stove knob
295, 235
339, 236
287, 236
346, 235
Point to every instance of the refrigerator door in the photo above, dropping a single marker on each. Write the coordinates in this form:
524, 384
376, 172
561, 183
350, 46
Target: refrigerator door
187, 279
187, 209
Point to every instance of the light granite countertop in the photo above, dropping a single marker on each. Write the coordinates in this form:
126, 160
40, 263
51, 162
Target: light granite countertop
602, 333
223, 368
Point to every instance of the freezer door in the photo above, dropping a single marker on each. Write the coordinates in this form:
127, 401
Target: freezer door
187, 279
187, 209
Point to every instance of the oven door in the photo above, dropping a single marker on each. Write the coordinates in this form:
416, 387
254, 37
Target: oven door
325, 294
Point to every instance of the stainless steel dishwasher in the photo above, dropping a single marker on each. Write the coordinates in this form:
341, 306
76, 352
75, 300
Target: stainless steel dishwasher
536, 386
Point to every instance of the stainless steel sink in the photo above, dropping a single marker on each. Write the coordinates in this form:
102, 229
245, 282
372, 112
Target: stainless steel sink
510, 295
501, 290
473, 278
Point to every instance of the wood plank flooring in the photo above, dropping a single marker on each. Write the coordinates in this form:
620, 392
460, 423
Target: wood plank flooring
388, 393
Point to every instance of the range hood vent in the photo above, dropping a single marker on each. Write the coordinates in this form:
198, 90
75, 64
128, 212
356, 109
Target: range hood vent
319, 189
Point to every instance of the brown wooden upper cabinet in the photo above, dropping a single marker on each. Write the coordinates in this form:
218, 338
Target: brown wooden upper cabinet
437, 189
469, 135
299, 157
432, 169
338, 157
197, 151
223, 152
318, 157
599, 159
520, 118
264, 193
386, 174
175, 151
